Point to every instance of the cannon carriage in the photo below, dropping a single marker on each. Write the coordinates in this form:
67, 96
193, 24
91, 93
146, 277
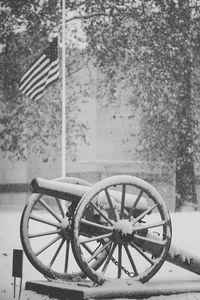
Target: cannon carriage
116, 229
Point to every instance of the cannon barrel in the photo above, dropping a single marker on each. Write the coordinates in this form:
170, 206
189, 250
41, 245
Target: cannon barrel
62, 190
74, 192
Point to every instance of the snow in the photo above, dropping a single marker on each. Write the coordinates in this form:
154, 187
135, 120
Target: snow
186, 235
176, 251
124, 226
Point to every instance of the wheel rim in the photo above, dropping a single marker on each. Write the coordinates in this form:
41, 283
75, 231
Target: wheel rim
46, 235
135, 249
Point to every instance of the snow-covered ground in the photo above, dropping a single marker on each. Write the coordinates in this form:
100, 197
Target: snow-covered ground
186, 234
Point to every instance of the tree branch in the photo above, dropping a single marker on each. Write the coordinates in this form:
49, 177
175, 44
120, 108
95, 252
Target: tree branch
79, 68
79, 16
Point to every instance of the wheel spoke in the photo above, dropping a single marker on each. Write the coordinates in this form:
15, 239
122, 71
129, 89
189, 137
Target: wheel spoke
56, 253
147, 226
102, 214
156, 241
96, 253
142, 215
60, 207
88, 249
109, 258
95, 238
135, 203
35, 218
50, 210
142, 253
119, 260
96, 225
123, 201
48, 245
113, 211
131, 260
67, 255
43, 233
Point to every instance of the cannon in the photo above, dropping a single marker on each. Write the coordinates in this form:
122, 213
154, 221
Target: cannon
116, 229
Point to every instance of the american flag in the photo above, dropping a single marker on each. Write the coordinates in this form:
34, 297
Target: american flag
43, 71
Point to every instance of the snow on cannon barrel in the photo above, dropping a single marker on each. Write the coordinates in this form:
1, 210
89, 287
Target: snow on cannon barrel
74, 192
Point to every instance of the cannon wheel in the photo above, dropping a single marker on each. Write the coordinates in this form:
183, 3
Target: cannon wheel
46, 224
137, 237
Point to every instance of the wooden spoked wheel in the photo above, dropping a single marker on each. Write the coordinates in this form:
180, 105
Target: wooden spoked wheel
133, 226
46, 233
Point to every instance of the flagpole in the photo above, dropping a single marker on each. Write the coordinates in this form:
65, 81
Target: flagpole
63, 159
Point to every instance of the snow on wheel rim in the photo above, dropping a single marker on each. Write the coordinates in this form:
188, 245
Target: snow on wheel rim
117, 232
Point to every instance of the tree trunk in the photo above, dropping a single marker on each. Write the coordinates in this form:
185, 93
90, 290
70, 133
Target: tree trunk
185, 182
179, 20
185, 171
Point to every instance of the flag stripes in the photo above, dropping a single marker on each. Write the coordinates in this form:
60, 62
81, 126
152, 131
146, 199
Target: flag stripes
43, 71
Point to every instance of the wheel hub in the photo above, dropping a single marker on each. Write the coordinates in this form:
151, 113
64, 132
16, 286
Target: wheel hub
123, 230
66, 228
